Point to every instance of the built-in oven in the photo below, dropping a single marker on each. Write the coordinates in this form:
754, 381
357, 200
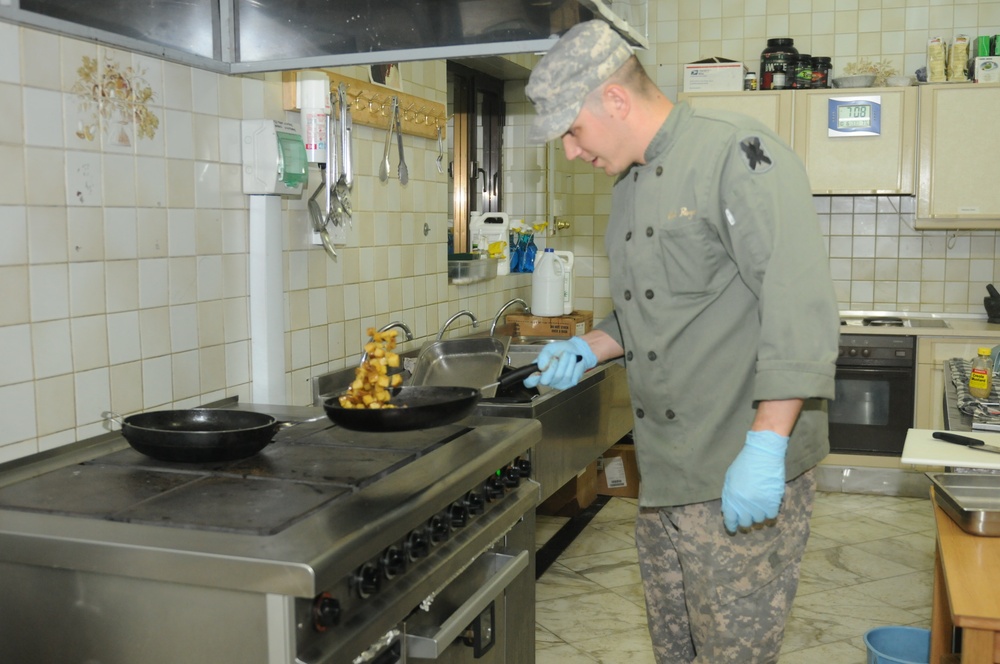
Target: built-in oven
874, 404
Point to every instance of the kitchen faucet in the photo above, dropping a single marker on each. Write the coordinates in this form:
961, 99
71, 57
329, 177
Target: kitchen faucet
463, 312
398, 324
504, 308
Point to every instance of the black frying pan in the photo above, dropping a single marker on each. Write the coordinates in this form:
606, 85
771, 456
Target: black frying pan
417, 407
200, 434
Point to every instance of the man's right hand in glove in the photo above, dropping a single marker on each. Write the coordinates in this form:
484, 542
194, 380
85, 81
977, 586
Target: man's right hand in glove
559, 366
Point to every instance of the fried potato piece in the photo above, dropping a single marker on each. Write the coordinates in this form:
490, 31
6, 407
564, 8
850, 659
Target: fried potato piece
372, 381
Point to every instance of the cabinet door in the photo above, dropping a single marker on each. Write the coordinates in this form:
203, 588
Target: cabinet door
854, 164
959, 143
772, 108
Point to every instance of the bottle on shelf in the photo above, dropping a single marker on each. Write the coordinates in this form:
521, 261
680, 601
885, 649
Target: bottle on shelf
981, 374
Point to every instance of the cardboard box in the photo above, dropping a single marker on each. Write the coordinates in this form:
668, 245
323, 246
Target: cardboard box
714, 75
618, 472
570, 325
573, 497
986, 69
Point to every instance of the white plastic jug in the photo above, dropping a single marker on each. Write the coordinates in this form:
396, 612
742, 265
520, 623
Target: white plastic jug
547, 284
567, 259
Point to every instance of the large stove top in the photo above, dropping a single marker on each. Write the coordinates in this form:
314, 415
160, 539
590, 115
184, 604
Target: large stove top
308, 467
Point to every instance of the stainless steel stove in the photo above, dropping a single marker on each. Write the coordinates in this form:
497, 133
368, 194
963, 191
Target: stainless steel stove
328, 546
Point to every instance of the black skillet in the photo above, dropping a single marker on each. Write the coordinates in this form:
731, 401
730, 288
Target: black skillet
417, 407
199, 435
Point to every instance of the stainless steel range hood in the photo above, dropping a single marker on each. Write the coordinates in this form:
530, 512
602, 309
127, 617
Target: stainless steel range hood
242, 36
273, 35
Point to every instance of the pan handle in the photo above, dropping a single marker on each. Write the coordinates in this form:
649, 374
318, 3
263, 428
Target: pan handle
112, 416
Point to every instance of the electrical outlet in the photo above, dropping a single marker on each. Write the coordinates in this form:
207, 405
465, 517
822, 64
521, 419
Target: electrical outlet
338, 233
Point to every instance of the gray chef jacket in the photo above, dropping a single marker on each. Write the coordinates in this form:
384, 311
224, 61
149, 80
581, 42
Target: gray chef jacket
722, 297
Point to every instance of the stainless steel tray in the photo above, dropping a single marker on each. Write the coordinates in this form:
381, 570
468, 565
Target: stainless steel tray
465, 362
972, 500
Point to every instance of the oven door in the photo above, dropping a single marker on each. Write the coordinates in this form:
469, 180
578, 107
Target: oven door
872, 411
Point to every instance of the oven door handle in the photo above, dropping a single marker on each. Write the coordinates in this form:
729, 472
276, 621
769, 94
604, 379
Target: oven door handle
431, 647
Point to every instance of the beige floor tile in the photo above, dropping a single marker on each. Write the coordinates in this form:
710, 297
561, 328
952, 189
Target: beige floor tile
869, 562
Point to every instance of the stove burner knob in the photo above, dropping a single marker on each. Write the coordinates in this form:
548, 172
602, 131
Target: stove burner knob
393, 562
326, 612
523, 465
493, 488
511, 477
853, 352
475, 502
417, 545
843, 351
866, 352
368, 580
439, 528
459, 514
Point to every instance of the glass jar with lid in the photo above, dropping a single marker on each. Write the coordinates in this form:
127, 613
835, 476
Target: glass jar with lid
780, 52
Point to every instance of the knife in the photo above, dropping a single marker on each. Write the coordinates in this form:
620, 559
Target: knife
973, 443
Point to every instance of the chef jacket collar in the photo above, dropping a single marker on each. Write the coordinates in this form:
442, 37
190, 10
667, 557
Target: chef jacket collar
667, 133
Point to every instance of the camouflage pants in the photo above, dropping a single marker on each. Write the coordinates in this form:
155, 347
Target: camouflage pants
712, 597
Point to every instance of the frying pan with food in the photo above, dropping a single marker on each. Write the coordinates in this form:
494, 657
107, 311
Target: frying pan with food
418, 407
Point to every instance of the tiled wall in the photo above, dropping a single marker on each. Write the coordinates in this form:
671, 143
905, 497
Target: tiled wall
877, 260
124, 251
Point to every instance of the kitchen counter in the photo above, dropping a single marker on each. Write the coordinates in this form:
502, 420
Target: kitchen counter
966, 574
957, 325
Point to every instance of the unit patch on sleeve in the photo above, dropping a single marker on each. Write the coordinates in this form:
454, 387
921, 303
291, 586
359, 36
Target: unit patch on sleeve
755, 155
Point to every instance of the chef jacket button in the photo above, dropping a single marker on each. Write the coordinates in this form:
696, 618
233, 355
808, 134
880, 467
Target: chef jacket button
649, 231
635, 176
670, 414
659, 171
628, 236
628, 295
640, 413
651, 355
649, 294
628, 356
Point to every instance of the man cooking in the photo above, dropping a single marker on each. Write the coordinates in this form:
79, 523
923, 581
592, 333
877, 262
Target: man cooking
725, 314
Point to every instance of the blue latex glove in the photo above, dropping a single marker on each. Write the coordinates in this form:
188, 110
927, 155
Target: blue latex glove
559, 366
755, 481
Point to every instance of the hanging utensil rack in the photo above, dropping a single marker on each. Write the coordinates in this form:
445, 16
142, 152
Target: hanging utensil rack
371, 105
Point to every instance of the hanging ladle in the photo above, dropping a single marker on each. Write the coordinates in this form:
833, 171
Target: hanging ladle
383, 173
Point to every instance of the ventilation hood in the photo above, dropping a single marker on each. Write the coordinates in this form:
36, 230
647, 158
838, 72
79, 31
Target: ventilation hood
243, 36
276, 34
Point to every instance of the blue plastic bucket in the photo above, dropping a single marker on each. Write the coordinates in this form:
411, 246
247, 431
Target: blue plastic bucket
898, 645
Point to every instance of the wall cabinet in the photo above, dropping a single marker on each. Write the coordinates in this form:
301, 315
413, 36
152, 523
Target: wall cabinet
959, 140
931, 354
857, 165
772, 108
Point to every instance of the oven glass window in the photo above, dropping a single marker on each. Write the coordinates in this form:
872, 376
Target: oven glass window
864, 402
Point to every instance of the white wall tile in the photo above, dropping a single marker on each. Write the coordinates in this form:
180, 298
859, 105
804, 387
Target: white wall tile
43, 120
49, 392
17, 412
49, 291
123, 337
183, 328
52, 350
14, 231
86, 288
93, 395
83, 178
153, 282
15, 340
90, 342
157, 382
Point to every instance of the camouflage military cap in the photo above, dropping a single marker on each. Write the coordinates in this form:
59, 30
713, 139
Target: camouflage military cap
579, 62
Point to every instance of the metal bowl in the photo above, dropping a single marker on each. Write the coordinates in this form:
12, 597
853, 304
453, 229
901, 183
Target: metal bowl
858, 81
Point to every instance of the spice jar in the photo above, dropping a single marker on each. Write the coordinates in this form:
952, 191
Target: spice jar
750, 81
780, 52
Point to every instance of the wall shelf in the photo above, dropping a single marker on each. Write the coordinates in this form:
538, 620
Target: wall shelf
371, 105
